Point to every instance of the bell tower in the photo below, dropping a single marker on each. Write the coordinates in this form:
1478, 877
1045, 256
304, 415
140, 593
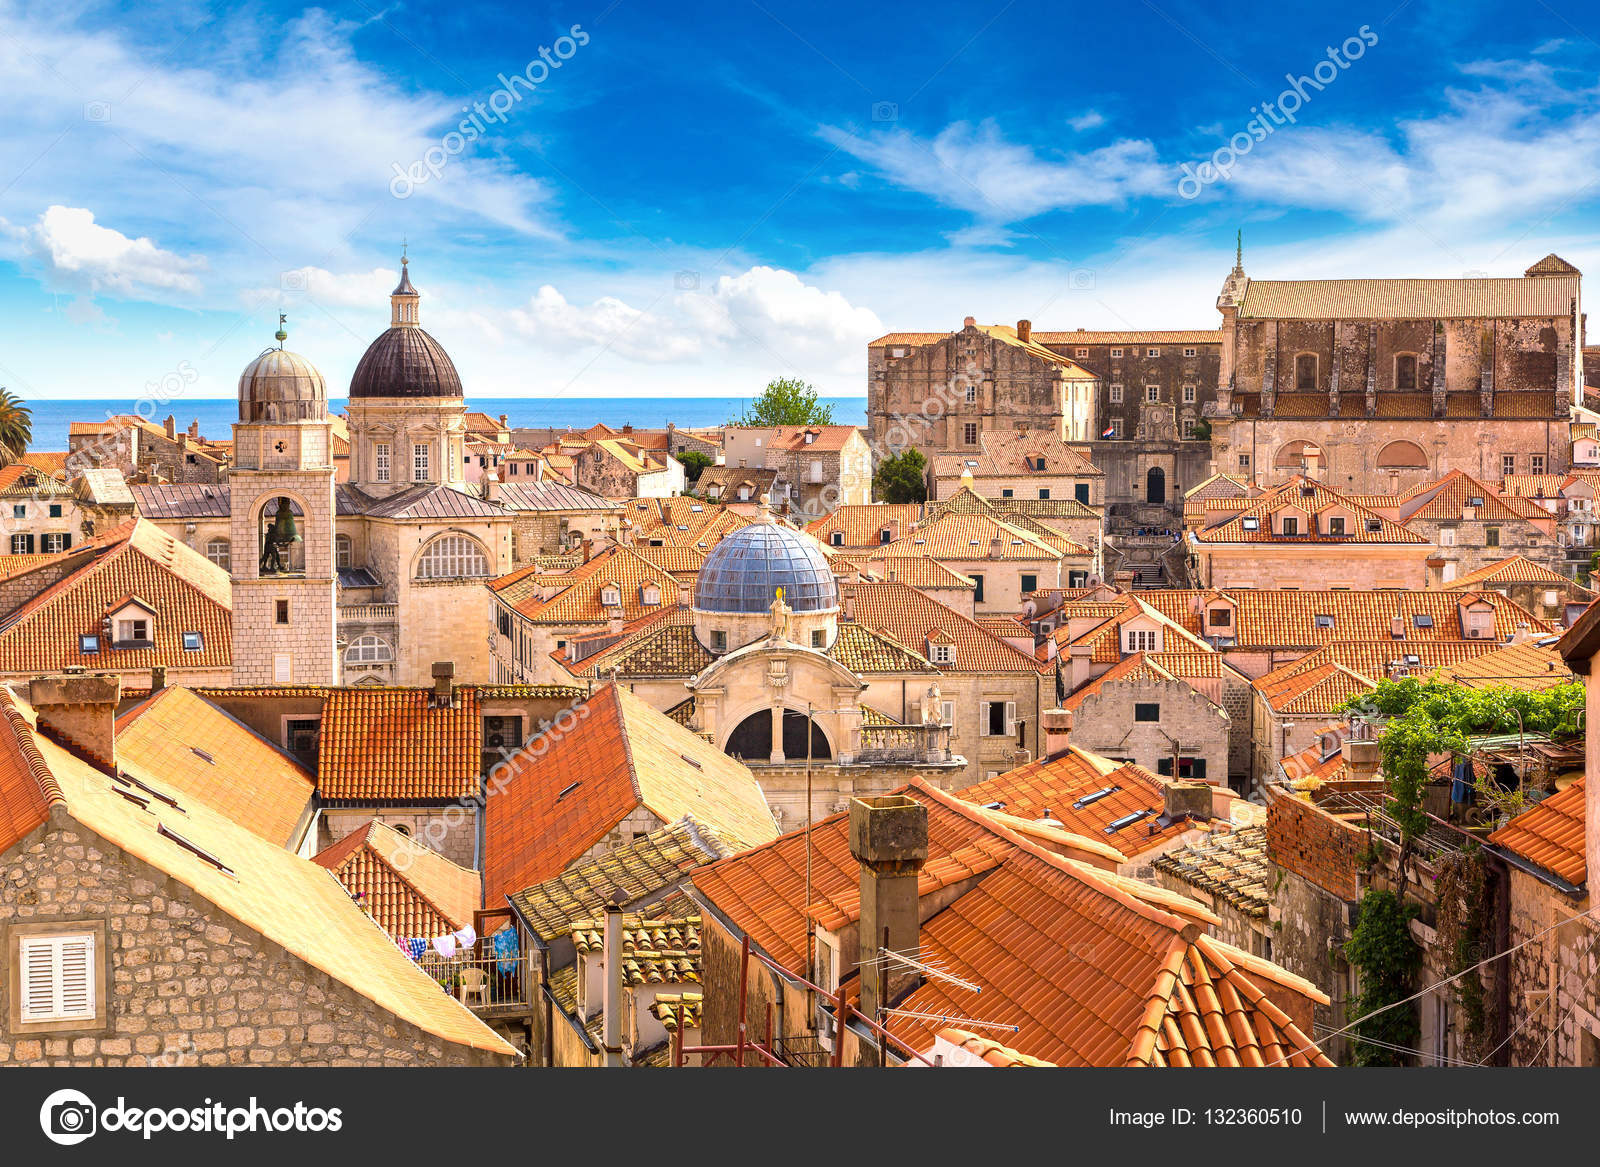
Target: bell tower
285, 588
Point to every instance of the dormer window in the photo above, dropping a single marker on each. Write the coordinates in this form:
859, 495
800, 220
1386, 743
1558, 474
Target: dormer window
611, 596
1336, 526
886, 536
133, 631
650, 595
942, 654
1324, 621
1220, 617
88, 645
1143, 640
1291, 525
837, 538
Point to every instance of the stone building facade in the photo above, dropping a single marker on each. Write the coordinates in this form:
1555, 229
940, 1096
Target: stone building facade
1379, 385
185, 983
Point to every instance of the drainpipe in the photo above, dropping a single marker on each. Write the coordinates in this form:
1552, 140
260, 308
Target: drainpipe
611, 1033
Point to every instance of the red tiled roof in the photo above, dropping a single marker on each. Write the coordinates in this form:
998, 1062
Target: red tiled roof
1551, 835
579, 601
27, 788
1056, 784
574, 784
408, 889
1515, 569
187, 592
1444, 500
905, 615
1295, 494
863, 524
393, 745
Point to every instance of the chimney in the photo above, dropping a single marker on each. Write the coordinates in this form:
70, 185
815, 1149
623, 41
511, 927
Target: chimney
491, 485
79, 709
1435, 566
889, 838
969, 322
614, 622
158, 678
1187, 800
997, 547
444, 684
683, 595
1397, 627
611, 1024
503, 422
172, 428
1057, 724
194, 429
1362, 758
1024, 330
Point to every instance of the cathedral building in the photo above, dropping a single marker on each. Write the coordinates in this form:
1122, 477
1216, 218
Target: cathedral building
373, 580
1377, 386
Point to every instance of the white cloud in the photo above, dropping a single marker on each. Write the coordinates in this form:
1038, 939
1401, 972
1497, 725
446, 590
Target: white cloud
550, 320
351, 290
1091, 120
79, 254
974, 168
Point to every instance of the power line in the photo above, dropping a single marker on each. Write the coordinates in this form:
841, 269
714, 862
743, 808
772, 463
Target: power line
1317, 1042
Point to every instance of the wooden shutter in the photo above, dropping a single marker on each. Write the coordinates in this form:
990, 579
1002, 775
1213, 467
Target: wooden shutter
57, 978
1011, 719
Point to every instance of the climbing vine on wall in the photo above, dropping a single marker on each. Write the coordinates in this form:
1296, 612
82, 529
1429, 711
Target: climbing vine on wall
1464, 923
1387, 959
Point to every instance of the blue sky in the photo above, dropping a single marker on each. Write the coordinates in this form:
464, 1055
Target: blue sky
688, 199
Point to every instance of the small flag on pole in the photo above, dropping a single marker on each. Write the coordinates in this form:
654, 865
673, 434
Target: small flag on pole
1110, 430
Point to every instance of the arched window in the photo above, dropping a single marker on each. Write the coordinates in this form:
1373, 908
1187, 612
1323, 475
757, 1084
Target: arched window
452, 557
1402, 456
1296, 454
220, 552
368, 650
1405, 371
1305, 373
344, 550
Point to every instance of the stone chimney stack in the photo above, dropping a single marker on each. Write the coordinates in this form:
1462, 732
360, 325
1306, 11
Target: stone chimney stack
172, 428
79, 709
1057, 725
889, 838
1024, 330
969, 322
444, 684
611, 1024
1187, 800
1362, 758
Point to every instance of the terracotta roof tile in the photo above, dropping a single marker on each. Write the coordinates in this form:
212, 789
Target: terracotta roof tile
861, 525
1445, 500
1551, 835
1408, 299
618, 755
579, 602
1516, 569
188, 593
408, 889
905, 615
182, 741
393, 745
1234, 867
1312, 498
960, 537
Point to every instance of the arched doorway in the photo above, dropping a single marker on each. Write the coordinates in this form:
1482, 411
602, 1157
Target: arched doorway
1155, 486
752, 740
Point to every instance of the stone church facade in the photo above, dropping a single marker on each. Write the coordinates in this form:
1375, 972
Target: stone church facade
1376, 386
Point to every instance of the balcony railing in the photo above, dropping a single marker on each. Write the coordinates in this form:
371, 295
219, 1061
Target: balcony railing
914, 744
484, 984
368, 613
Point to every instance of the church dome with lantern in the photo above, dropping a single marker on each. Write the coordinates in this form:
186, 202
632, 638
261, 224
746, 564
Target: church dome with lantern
280, 385
405, 361
745, 569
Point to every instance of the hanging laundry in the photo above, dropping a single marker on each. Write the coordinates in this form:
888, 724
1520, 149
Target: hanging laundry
505, 949
445, 946
416, 946
465, 937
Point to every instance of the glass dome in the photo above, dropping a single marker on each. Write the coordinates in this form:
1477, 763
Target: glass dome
744, 571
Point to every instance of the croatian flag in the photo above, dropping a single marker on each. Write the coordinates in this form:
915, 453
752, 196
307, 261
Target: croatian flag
1110, 429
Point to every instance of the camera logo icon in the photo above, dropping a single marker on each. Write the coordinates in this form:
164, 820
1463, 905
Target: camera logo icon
686, 281
885, 111
68, 1117
97, 111
294, 281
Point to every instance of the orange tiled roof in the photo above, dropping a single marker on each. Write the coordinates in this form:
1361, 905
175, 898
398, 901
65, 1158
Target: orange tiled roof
187, 592
1058, 784
619, 755
1276, 618
1157, 666
28, 789
905, 615
863, 524
393, 745
1317, 691
1443, 501
960, 537
1105, 640
920, 571
1515, 569
992, 1052
1527, 666
1311, 497
824, 438
1551, 835
1014, 454
408, 889
579, 601
185, 743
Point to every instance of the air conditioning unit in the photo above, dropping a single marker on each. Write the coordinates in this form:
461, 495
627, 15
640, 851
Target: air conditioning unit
501, 733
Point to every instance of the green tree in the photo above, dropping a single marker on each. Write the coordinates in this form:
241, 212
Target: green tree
786, 401
902, 477
16, 427
693, 463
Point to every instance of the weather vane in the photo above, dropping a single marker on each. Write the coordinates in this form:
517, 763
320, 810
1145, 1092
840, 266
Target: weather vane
283, 333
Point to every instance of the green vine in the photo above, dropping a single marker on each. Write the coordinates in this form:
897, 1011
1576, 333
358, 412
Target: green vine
1387, 958
1464, 923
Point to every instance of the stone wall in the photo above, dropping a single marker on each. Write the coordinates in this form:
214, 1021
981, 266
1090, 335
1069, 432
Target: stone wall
1105, 724
188, 984
1560, 955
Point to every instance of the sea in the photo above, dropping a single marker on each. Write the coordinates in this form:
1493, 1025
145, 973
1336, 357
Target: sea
216, 415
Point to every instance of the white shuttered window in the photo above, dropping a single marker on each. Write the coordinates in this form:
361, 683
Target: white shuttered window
57, 978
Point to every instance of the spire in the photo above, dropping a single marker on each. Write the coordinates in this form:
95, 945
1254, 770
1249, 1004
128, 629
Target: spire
1238, 252
403, 300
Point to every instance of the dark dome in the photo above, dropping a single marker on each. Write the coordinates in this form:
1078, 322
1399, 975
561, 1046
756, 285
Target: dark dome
405, 362
745, 569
